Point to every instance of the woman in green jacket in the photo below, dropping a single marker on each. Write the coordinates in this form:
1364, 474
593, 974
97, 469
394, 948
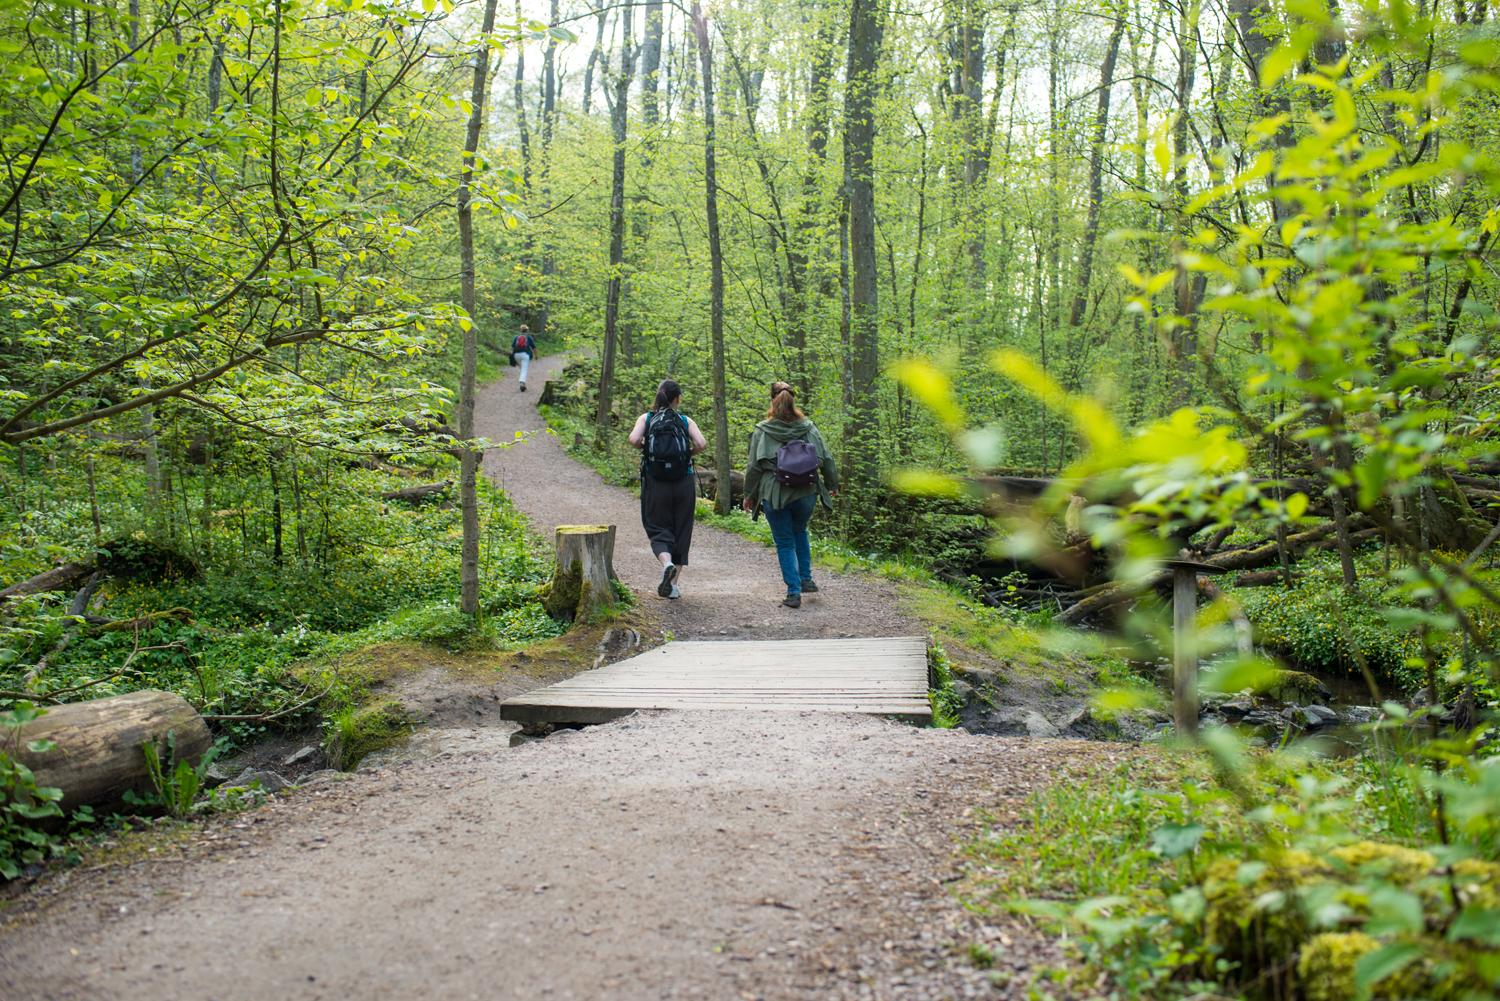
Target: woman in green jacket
786, 480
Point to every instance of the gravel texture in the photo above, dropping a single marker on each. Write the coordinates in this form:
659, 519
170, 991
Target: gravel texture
667, 855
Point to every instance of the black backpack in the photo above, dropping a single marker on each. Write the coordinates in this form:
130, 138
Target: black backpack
797, 464
668, 453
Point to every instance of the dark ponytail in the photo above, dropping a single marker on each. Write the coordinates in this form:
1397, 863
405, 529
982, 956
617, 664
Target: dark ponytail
666, 394
783, 406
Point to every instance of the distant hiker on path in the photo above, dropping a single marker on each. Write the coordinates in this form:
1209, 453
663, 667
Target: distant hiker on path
668, 440
522, 350
789, 471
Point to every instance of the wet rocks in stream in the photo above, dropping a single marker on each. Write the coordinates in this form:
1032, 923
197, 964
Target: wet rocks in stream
992, 705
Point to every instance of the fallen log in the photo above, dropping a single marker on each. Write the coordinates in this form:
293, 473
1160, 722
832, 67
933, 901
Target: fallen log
97, 754
708, 485
100, 624
1262, 578
415, 495
433, 425
64, 578
76, 609
1247, 558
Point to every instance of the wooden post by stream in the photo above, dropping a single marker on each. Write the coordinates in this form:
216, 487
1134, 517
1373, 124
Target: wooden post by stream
1185, 642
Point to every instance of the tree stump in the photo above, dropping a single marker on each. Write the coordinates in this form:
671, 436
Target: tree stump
98, 753
582, 581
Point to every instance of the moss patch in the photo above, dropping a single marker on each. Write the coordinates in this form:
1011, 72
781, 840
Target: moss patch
360, 730
577, 649
562, 596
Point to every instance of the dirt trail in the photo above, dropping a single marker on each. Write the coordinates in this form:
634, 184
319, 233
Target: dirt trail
667, 855
731, 588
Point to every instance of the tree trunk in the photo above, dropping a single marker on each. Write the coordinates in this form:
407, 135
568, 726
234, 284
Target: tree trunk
965, 31
1184, 335
1096, 174
277, 554
866, 34
1252, 19
1055, 114
98, 754
523, 129
651, 65
582, 585
716, 260
468, 487
549, 121
618, 118
155, 490
800, 251
595, 54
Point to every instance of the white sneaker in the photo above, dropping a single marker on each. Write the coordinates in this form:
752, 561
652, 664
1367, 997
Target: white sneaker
668, 581
676, 592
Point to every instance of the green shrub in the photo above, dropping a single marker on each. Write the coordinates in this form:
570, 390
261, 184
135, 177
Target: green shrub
30, 815
390, 575
1263, 885
1320, 627
943, 696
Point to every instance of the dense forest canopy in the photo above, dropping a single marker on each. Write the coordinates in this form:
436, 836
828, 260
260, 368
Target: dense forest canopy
242, 212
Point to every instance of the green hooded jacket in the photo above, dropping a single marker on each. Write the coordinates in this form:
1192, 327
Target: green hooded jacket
761, 485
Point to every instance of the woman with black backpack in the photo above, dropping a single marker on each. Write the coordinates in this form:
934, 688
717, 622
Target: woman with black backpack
668, 440
790, 470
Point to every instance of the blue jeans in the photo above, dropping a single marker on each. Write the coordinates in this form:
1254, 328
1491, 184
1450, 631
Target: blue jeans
789, 530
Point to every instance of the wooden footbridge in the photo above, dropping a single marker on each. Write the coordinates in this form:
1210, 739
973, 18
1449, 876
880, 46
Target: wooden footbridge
884, 677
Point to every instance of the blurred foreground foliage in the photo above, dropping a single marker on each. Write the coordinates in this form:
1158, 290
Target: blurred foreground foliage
1282, 874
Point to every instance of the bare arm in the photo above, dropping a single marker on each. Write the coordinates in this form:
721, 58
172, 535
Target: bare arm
638, 433
700, 443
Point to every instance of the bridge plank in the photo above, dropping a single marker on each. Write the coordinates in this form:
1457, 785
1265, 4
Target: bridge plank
886, 676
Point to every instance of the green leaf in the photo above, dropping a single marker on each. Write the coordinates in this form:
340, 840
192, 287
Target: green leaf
1476, 924
932, 388
1253, 673
926, 483
1176, 840
1388, 960
1394, 911
1278, 63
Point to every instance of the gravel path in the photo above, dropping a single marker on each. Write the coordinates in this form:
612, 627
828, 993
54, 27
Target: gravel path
667, 855
731, 588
